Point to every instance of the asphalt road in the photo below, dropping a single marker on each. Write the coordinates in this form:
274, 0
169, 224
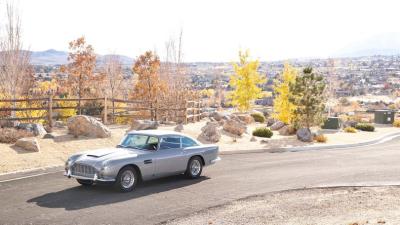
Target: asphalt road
54, 199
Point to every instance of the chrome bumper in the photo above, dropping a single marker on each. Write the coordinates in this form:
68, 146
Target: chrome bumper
95, 178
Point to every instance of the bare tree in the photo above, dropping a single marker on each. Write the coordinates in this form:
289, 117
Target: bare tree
114, 76
173, 70
16, 76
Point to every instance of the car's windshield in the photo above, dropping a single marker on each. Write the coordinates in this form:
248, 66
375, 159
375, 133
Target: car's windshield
140, 141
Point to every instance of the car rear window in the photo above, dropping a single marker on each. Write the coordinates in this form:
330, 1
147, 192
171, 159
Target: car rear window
188, 142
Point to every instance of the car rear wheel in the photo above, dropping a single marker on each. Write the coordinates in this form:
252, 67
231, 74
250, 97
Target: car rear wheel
127, 179
85, 182
194, 167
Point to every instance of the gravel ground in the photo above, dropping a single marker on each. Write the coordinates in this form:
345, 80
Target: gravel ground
343, 205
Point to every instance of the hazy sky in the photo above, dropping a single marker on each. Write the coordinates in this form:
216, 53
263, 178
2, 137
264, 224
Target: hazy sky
213, 30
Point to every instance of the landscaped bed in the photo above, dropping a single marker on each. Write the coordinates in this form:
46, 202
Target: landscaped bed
54, 152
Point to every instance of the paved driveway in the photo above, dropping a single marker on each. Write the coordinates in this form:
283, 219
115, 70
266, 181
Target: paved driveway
53, 199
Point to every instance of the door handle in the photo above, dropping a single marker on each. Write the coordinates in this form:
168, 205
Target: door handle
148, 161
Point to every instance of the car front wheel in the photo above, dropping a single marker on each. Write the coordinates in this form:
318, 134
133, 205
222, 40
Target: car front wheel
127, 179
194, 167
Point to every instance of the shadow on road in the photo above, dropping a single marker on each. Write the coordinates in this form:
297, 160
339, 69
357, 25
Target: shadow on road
81, 197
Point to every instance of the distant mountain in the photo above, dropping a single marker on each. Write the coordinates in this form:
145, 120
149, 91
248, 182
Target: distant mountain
54, 57
383, 44
49, 57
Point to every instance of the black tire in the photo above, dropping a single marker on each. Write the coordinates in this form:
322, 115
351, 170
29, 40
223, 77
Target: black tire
85, 182
194, 167
123, 185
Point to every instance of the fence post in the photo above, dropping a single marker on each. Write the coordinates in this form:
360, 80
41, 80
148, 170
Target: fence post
105, 110
50, 111
186, 114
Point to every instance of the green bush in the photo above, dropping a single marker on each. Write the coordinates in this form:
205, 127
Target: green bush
258, 117
263, 132
365, 127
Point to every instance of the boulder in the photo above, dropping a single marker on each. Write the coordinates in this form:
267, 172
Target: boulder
253, 139
277, 125
48, 136
169, 123
228, 117
210, 132
350, 124
179, 128
304, 134
59, 124
217, 116
25, 126
205, 114
87, 126
270, 121
8, 123
235, 126
144, 125
246, 118
38, 129
287, 130
28, 144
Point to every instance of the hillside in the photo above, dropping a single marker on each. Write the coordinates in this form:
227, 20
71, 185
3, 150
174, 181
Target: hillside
54, 57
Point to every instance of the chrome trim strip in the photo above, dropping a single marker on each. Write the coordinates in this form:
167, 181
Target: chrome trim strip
88, 178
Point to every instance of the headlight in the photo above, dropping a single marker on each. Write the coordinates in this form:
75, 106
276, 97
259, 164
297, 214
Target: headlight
68, 163
103, 170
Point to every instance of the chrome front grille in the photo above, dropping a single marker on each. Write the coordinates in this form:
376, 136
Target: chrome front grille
83, 170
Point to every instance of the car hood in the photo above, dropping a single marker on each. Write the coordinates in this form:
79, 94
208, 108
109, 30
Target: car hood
99, 156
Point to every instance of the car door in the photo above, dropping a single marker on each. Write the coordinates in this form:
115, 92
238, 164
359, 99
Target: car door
148, 165
170, 158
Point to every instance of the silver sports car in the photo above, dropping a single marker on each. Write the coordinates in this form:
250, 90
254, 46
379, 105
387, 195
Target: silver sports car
142, 155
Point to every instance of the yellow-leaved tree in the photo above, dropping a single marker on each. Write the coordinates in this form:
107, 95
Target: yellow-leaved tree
245, 82
283, 108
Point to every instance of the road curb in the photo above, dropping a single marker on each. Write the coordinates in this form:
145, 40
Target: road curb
381, 139
18, 175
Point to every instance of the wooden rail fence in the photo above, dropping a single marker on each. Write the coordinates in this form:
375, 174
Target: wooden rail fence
110, 108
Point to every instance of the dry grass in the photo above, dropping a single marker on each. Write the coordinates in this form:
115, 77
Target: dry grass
321, 138
396, 123
350, 130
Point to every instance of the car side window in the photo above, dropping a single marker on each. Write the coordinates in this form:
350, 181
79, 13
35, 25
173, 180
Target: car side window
170, 142
188, 142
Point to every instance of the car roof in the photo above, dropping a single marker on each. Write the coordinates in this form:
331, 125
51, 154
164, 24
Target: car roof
156, 132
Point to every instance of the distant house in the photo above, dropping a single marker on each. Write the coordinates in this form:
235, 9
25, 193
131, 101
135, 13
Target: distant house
267, 101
